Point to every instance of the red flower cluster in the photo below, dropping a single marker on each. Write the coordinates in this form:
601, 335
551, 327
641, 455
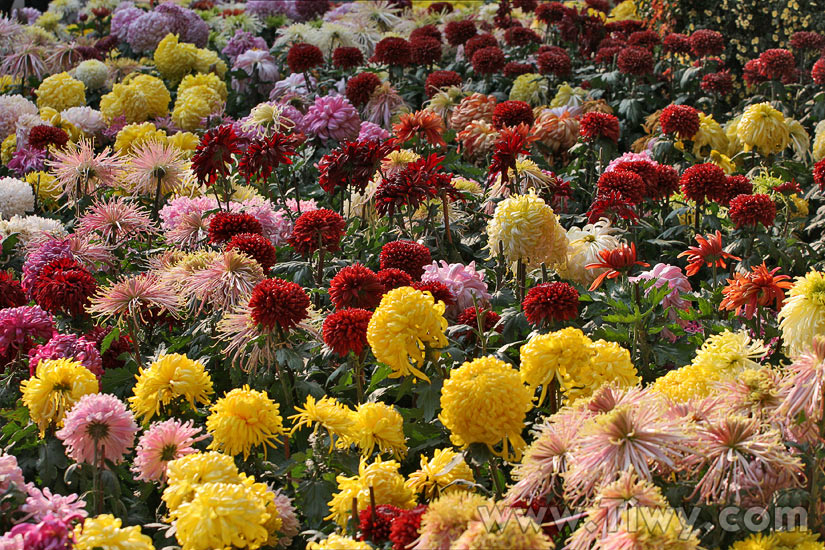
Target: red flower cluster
646, 170
749, 210
404, 529
514, 69
556, 62
644, 39
606, 56
776, 63
488, 60
263, 155
302, 57
225, 225
64, 286
459, 32
415, 183
392, 51
213, 156
551, 302
706, 42
408, 256
521, 36
440, 291
278, 303
428, 31
320, 229
512, 113
752, 72
667, 182
41, 137
786, 188
676, 43
355, 286
818, 71
256, 246
425, 51
346, 331
703, 182
440, 7
512, 142
394, 278
807, 40
469, 317
344, 57
617, 261
734, 186
612, 206
11, 292
550, 12
374, 523
635, 61
719, 83
441, 79
819, 174
479, 42
681, 120
629, 185
352, 164
360, 88
595, 125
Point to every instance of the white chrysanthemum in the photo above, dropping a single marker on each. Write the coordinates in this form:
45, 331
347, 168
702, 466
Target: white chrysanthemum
16, 197
24, 125
92, 73
583, 248
89, 120
29, 228
13, 107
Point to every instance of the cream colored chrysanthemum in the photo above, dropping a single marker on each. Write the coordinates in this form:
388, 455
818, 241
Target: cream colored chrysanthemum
584, 245
530, 88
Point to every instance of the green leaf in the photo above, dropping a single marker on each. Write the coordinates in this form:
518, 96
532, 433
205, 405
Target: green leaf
113, 334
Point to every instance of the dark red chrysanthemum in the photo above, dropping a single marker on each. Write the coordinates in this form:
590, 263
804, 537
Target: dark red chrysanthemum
752, 73
819, 174
392, 51
375, 527
469, 317
512, 142
551, 302
526, 5
302, 57
225, 225
360, 88
346, 331
418, 181
705, 42
612, 206
734, 186
320, 229
263, 155
646, 170
278, 303
514, 69
429, 31
555, 62
718, 83
644, 39
437, 80
681, 120
550, 12
612, 42
512, 113
667, 182
355, 286
256, 246
404, 529
749, 210
488, 60
440, 291
117, 347
595, 125
64, 286
344, 57
41, 137
807, 40
606, 56
408, 256
521, 36
394, 278
785, 188
459, 32
425, 51
310, 9
818, 72
635, 61
776, 63
478, 42
629, 185
703, 182
213, 156
676, 43
11, 292
352, 164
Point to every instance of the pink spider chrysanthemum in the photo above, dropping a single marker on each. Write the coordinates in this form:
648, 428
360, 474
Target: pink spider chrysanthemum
41, 503
803, 388
133, 298
161, 443
226, 282
98, 429
116, 220
190, 231
152, 164
80, 171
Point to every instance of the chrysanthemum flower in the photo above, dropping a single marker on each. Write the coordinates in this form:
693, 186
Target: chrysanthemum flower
434, 478
803, 315
474, 107
406, 323
763, 128
705, 42
64, 286
616, 262
438, 80
155, 166
327, 413
134, 299
510, 528
381, 425
214, 155
393, 51
275, 302
172, 379
105, 531
423, 124
709, 252
302, 57
54, 389
320, 229
334, 540
803, 389
332, 117
356, 286
636, 61
347, 57
98, 428
116, 220
557, 357
160, 444
186, 473
227, 281
447, 518
243, 419
750, 210
81, 171
680, 120
345, 331
61, 91
408, 256
758, 288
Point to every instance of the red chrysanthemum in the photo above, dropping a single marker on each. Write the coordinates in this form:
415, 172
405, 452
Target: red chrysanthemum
440, 7
819, 174
705, 42
595, 125
256, 246
617, 262
646, 170
478, 42
64, 286
606, 56
352, 164
676, 43
437, 80
265, 154
310, 9
355, 286
512, 113
512, 142
425, 51
635, 61
709, 252
394, 278
404, 529
776, 63
761, 287
415, 183
117, 346
749, 210
440, 291
521, 36
551, 302
734, 186
718, 83
213, 156
346, 331
807, 40
302, 57
612, 206
514, 69
392, 51
459, 32
278, 303
681, 120
644, 39
429, 31
752, 73
408, 256
612, 42
556, 62
629, 185
375, 527
320, 229
550, 12
360, 88
526, 5
818, 72
703, 182
469, 317
41, 137
667, 182
488, 60
225, 225
786, 188
11, 292
344, 57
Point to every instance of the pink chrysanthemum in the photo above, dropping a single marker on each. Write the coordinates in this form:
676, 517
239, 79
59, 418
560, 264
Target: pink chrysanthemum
161, 443
80, 171
19, 327
41, 503
10, 473
98, 429
152, 164
135, 298
672, 276
463, 281
804, 387
116, 220
332, 117
69, 346
226, 282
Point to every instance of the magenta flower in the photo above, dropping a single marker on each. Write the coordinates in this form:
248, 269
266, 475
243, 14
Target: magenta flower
370, 130
10, 474
41, 254
463, 281
20, 326
51, 533
672, 276
98, 428
332, 117
69, 346
161, 443
42, 503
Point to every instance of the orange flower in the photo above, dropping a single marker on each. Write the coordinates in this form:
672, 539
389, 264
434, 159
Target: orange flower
758, 288
424, 122
709, 252
616, 262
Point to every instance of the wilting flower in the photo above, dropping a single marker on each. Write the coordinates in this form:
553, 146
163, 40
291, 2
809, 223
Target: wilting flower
162, 443
749, 291
709, 253
802, 317
98, 428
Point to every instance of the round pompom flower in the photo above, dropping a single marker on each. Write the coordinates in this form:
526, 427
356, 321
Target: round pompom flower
173, 378
478, 42
68, 346
629, 185
485, 401
16, 197
459, 32
275, 302
555, 358
488, 60
54, 389
186, 473
243, 419
408, 256
680, 120
556, 62
346, 330
360, 87
512, 113
703, 182
105, 531
525, 228
818, 72
162, 443
448, 516
470, 315
64, 286
98, 428
392, 51
750, 210
320, 229
20, 326
332, 117
763, 128
256, 246
11, 291
405, 324
425, 51
463, 281
393, 278
705, 42
777, 63
802, 316
347, 57
595, 125
355, 286
60, 92
303, 57
719, 83
437, 80
225, 225
551, 302
635, 61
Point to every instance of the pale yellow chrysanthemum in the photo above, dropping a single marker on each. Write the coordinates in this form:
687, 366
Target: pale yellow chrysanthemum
623, 11
327, 413
645, 528
711, 136
445, 472
818, 151
186, 142
54, 389
174, 59
447, 518
60, 92
555, 357
398, 160
137, 99
242, 419
509, 528
105, 532
531, 88
45, 185
133, 135
172, 379
186, 473
802, 316
194, 104
583, 247
208, 61
763, 128
268, 497
800, 140
568, 96
379, 424
338, 542
722, 161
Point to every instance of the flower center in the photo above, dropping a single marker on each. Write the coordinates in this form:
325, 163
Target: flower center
97, 430
169, 452
817, 292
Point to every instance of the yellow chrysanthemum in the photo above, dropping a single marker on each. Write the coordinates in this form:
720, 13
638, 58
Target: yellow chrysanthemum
447, 517
56, 386
187, 142
735, 145
266, 495
655, 528
485, 401
243, 419
623, 11
803, 314
763, 128
382, 425
406, 323
800, 140
8, 81
338, 542
441, 474
208, 61
531, 88
337, 419
46, 186
711, 136
138, 99
8, 148
193, 105
186, 473
818, 151
132, 135
174, 59
209, 80
722, 161
173, 378
221, 515
60, 92
387, 486
799, 206
525, 228
568, 96
611, 364
105, 532
509, 529
397, 160
557, 356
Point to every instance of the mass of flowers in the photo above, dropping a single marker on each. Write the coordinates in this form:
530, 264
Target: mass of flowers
412, 275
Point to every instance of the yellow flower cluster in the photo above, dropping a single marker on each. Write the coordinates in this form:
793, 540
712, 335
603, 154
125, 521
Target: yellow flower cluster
803, 314
444, 473
169, 381
406, 323
45, 185
509, 529
175, 59
711, 136
485, 401
105, 531
447, 517
56, 386
132, 135
780, 540
242, 419
338, 542
531, 88
763, 128
137, 99
198, 97
60, 92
